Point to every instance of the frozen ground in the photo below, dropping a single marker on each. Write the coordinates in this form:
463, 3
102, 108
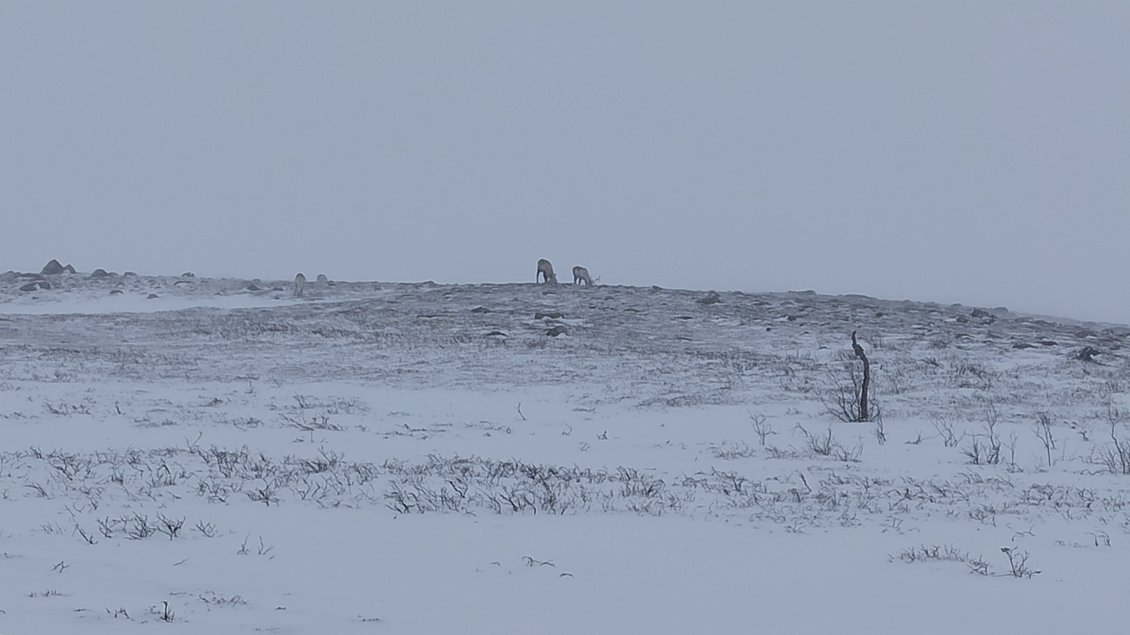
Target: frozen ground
393, 458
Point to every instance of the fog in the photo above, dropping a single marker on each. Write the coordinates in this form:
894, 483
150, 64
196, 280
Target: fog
957, 152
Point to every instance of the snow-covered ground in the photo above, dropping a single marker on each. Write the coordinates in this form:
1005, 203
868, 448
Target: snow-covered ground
395, 458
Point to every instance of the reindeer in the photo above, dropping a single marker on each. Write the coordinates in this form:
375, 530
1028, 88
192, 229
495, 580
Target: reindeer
545, 271
581, 276
299, 285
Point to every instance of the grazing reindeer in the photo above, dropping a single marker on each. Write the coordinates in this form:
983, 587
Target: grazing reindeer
545, 271
299, 285
581, 276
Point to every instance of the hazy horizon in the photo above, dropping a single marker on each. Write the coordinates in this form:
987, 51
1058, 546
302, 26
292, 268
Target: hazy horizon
965, 152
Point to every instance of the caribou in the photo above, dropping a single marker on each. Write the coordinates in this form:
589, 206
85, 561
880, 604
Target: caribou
545, 272
299, 285
581, 276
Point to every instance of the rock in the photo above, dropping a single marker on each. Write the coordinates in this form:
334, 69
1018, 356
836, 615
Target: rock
37, 284
481, 309
984, 316
115, 291
100, 273
129, 274
710, 298
151, 296
252, 287
322, 279
1087, 354
69, 269
188, 274
557, 330
52, 268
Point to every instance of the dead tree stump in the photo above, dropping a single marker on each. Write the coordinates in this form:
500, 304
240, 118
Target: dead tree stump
864, 415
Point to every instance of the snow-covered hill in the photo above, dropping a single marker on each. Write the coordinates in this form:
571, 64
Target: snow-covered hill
505, 458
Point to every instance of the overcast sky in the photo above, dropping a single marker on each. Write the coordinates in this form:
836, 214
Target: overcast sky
974, 152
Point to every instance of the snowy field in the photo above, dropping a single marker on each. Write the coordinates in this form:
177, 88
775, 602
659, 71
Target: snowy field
418, 458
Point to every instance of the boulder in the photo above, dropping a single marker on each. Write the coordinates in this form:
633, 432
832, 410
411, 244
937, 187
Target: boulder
710, 298
52, 268
984, 316
1087, 354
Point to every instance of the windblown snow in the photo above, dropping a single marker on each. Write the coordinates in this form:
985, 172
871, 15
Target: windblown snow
207, 455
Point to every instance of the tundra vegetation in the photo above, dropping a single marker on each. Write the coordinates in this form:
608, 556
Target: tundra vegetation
226, 457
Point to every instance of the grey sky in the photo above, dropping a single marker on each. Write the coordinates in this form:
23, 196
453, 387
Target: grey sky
973, 152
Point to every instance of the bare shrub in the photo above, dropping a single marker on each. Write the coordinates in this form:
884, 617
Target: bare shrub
761, 428
923, 553
944, 427
827, 445
1043, 432
138, 527
1116, 457
169, 526
974, 375
1018, 563
985, 448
